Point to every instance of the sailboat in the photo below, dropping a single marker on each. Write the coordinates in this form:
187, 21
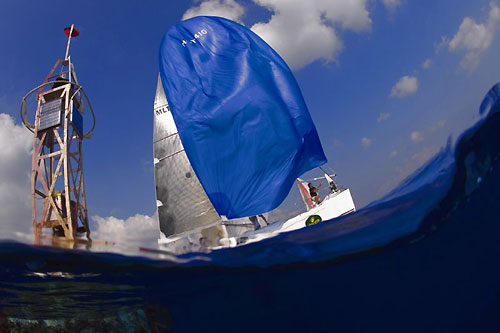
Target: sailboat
232, 134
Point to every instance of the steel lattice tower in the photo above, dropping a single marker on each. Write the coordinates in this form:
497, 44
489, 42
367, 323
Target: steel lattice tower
57, 164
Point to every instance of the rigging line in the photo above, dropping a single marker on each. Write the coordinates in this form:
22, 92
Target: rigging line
334, 174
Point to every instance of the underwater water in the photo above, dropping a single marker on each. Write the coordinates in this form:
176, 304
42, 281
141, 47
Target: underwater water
423, 258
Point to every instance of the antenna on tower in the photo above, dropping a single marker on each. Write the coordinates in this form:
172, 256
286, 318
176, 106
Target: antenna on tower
57, 163
70, 32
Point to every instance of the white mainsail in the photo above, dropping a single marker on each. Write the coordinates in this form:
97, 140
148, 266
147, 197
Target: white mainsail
183, 205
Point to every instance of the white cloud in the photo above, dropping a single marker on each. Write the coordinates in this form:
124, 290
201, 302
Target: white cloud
475, 38
416, 136
304, 31
427, 63
300, 31
383, 116
15, 176
391, 4
137, 229
229, 9
442, 44
406, 86
366, 142
16, 144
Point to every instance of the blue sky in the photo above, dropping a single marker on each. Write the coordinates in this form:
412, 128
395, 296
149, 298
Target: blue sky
386, 82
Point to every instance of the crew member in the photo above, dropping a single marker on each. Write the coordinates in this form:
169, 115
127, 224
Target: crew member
313, 191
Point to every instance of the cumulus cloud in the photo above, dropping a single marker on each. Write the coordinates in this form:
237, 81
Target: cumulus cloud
366, 142
300, 31
229, 9
427, 63
305, 31
416, 136
391, 4
383, 116
475, 38
137, 229
15, 179
406, 86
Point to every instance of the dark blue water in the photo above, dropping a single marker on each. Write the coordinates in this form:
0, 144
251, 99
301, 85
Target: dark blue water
422, 259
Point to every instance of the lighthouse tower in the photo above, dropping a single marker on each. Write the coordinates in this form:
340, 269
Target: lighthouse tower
57, 183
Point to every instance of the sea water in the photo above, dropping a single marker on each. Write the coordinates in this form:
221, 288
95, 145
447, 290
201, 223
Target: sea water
422, 259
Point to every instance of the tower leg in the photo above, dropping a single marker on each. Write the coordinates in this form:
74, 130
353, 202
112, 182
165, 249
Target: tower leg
83, 204
65, 150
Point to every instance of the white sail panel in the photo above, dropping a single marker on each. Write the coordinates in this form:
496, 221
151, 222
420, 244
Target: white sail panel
182, 203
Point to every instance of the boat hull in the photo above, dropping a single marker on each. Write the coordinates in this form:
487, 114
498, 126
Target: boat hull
334, 205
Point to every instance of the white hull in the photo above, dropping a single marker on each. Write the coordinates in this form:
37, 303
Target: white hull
334, 205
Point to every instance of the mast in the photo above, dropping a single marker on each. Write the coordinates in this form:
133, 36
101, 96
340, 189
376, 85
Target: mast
57, 164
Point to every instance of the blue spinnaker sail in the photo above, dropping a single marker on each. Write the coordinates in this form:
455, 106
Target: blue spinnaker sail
240, 114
